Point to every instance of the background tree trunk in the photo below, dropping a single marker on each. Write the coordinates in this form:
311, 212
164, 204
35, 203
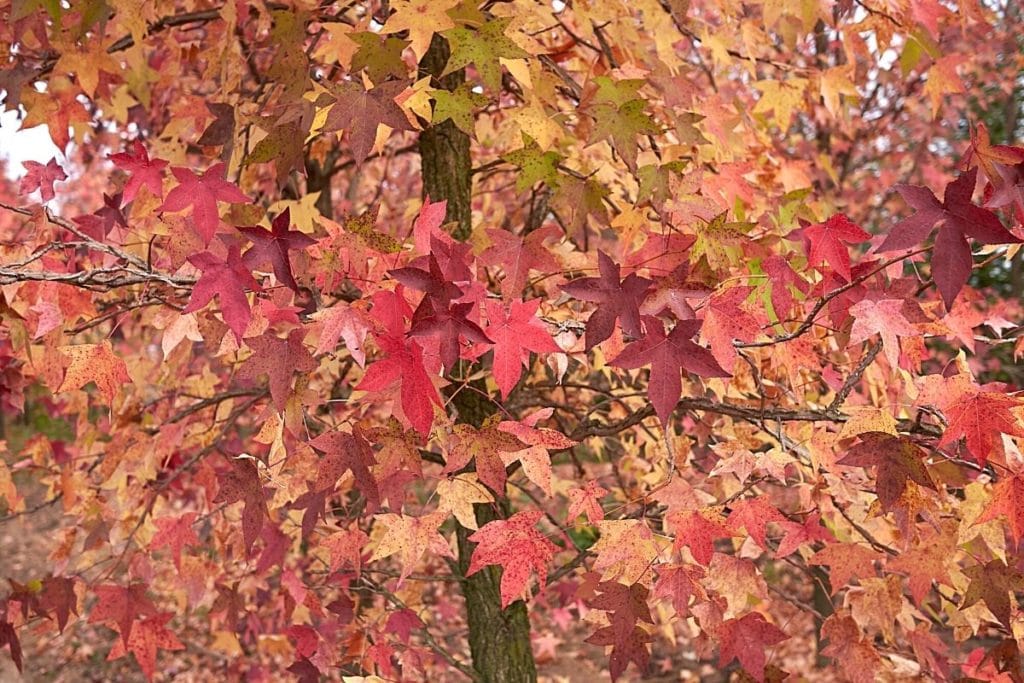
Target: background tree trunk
499, 640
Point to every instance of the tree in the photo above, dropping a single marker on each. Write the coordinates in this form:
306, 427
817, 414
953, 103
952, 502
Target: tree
405, 339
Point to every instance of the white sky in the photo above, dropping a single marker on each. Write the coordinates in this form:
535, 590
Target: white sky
17, 145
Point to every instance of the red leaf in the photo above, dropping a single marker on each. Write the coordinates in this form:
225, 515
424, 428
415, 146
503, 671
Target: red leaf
846, 561
142, 171
517, 546
272, 246
960, 218
898, 460
667, 355
885, 318
202, 193
346, 453
359, 111
175, 533
698, 533
828, 243
1007, 500
798, 534
9, 638
517, 256
678, 583
242, 484
586, 500
278, 359
41, 177
746, 639
616, 300
121, 606
149, 636
403, 363
754, 514
516, 332
227, 280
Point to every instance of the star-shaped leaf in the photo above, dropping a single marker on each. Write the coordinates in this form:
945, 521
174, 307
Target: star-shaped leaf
202, 193
278, 359
828, 242
993, 583
483, 48
272, 246
960, 218
359, 112
518, 547
94, 363
516, 331
746, 640
147, 637
142, 171
668, 355
121, 606
617, 300
227, 280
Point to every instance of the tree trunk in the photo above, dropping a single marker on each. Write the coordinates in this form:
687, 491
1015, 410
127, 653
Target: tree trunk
499, 640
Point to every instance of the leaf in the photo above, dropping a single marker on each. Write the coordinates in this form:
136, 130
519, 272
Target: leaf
978, 414
227, 280
403, 364
586, 500
1007, 500
94, 363
273, 246
798, 534
41, 177
993, 582
617, 300
619, 114
516, 331
175, 533
142, 172
484, 446
457, 106
346, 548
148, 636
448, 324
667, 356
631, 648
960, 218
411, 538
346, 453
753, 514
278, 359
421, 18
360, 111
459, 494
927, 561
482, 48
122, 606
9, 639
745, 639
58, 596
242, 484
678, 583
828, 243
539, 440
202, 193
898, 460
885, 318
627, 605
516, 546
698, 533
347, 322
625, 550
845, 561
517, 256
725, 321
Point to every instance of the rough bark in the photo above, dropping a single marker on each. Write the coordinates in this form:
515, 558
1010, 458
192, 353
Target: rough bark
499, 640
